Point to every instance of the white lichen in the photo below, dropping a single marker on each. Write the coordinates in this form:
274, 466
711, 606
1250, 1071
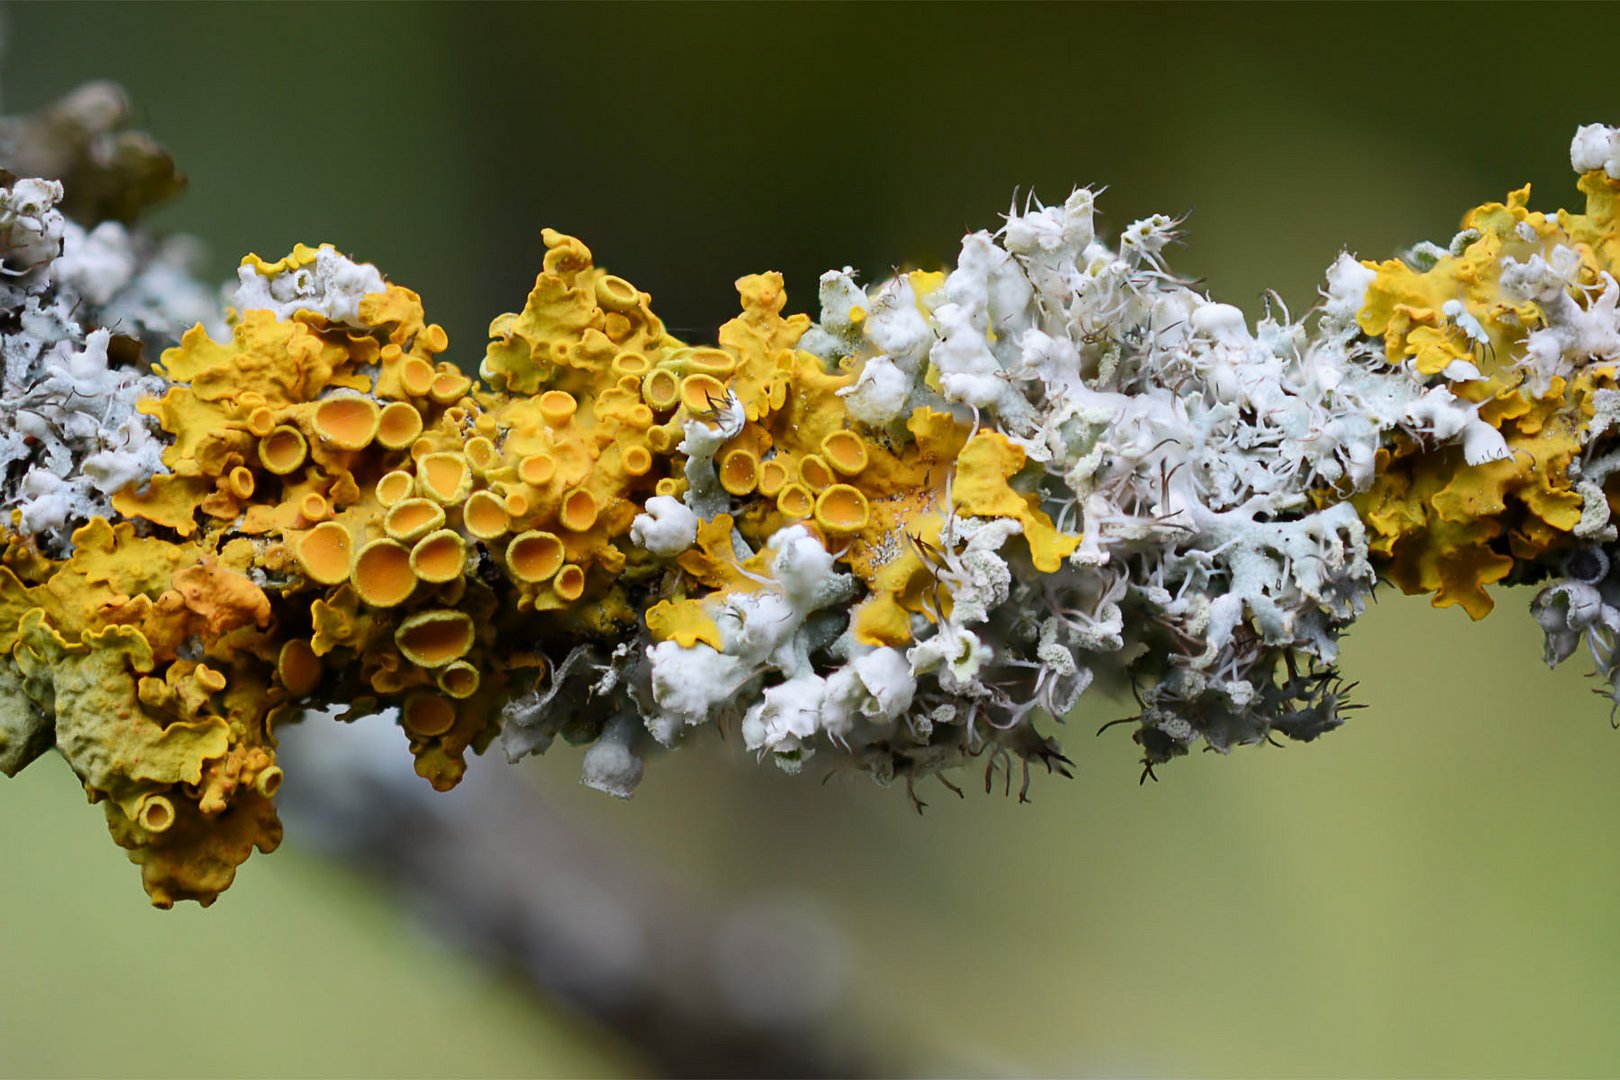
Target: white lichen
71, 435
332, 287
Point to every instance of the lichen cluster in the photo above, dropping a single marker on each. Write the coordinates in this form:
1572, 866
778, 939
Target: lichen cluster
903, 537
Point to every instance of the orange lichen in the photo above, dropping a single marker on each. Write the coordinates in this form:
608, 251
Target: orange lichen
459, 679
557, 407
383, 575
224, 598
569, 583
842, 509
518, 504
616, 294
323, 552
480, 454
661, 390
814, 472
398, 425
283, 449
684, 622
636, 460
796, 501
428, 715
241, 482
394, 487
433, 639
845, 451
268, 781
444, 476
448, 387
579, 510
702, 393
298, 668
484, 515
439, 556
1442, 526
739, 472
716, 362
773, 477
416, 377
348, 421
537, 469
985, 466
534, 556
411, 519
631, 364
156, 814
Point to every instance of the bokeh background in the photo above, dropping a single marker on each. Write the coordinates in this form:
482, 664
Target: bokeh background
1430, 891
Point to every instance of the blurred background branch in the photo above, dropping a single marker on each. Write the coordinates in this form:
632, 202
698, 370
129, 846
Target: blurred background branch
693, 984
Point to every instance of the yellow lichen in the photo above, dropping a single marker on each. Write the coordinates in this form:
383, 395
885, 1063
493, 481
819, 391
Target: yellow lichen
485, 516
569, 584
459, 679
298, 668
411, 519
428, 715
1446, 527
842, 509
349, 421
439, 556
324, 552
444, 476
534, 556
398, 425
432, 639
383, 575
283, 449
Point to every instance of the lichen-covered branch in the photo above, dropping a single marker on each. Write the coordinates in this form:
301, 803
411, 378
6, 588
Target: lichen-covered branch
898, 539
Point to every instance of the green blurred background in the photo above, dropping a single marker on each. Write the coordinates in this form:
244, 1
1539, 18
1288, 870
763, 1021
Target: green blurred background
1427, 892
